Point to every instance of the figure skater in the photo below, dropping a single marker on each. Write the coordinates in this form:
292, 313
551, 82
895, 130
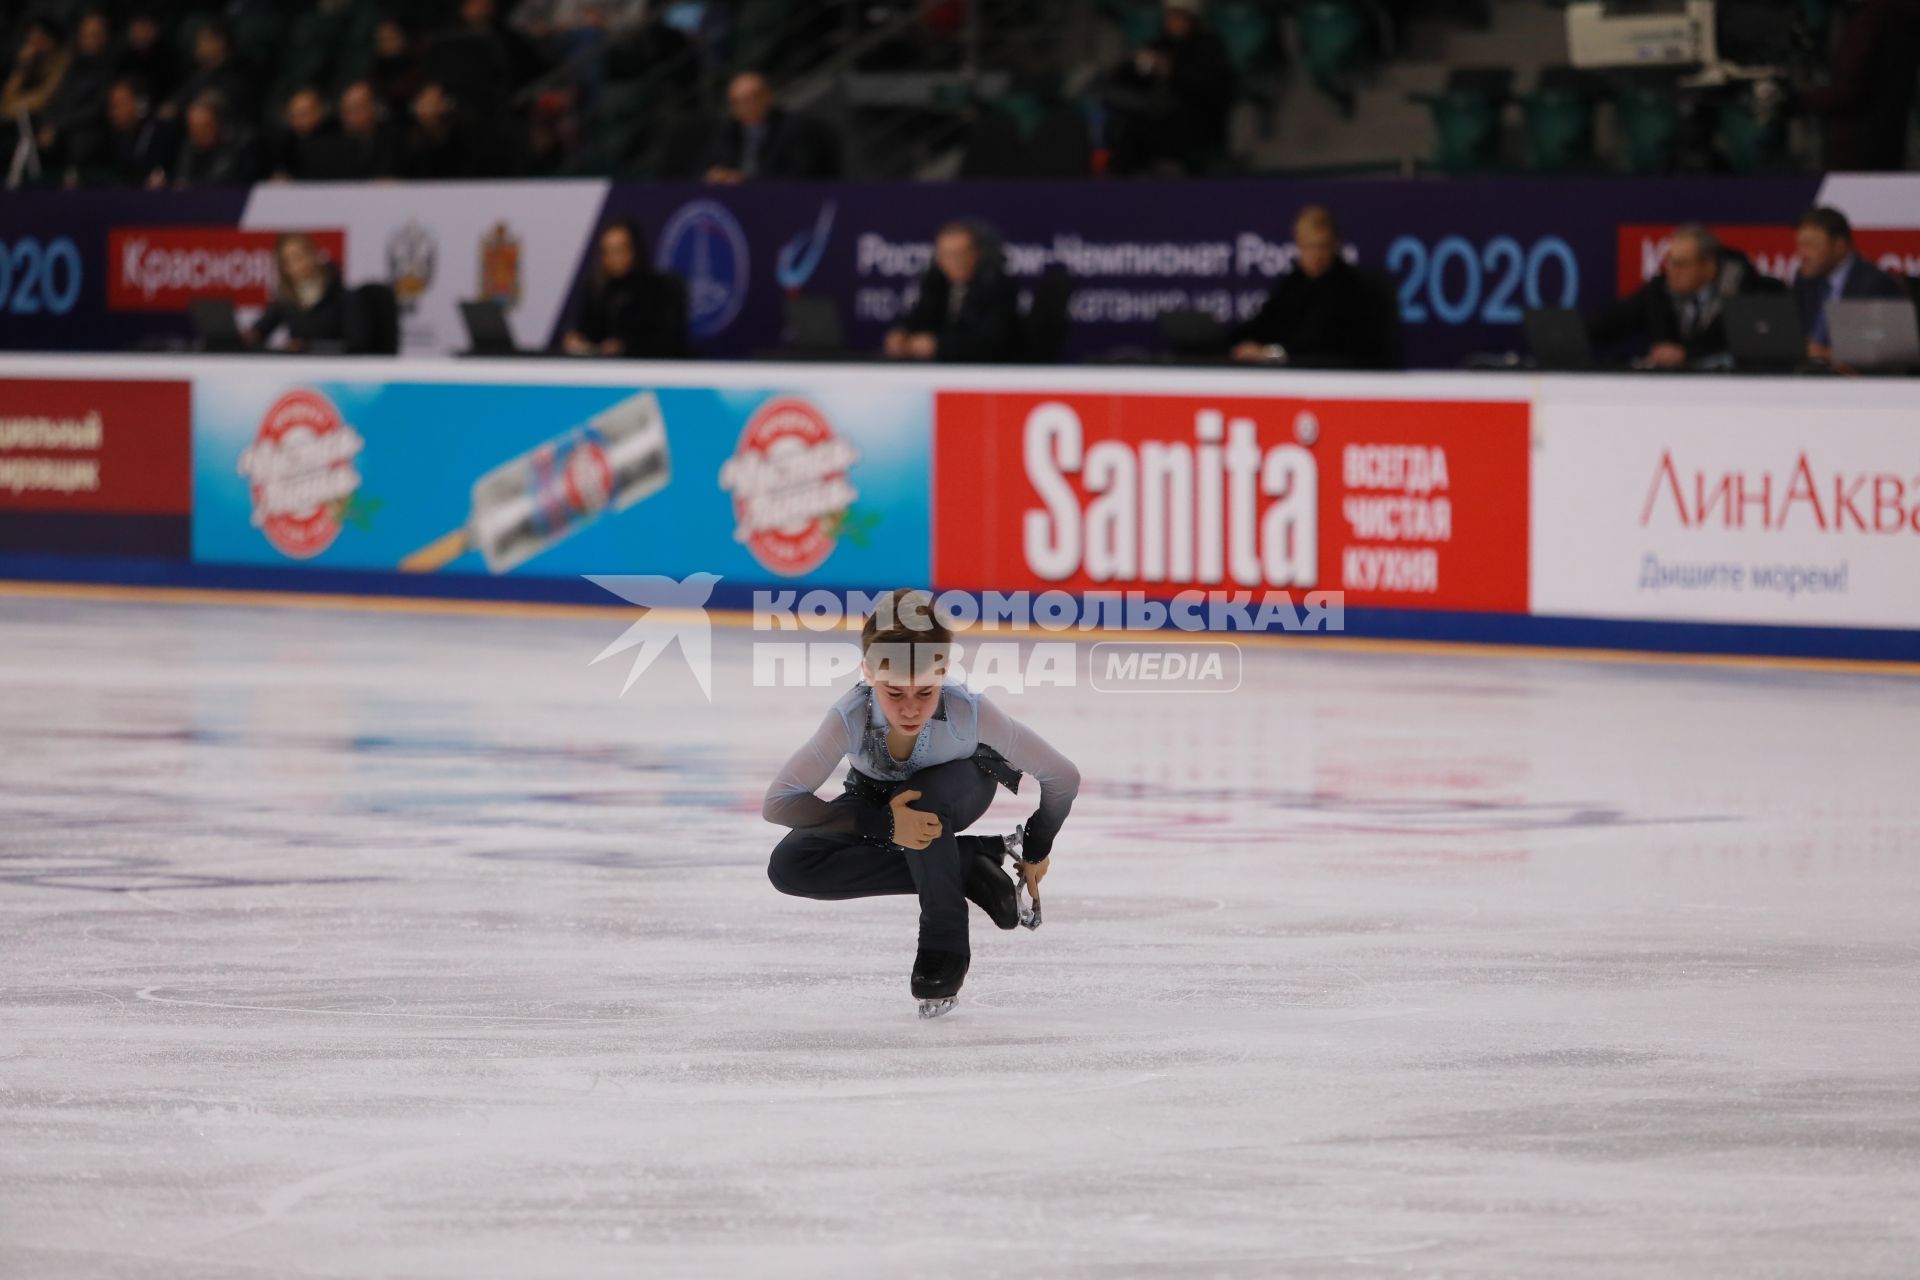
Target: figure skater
925, 755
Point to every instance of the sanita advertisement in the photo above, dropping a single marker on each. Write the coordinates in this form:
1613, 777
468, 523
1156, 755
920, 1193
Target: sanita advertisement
1406, 504
813, 485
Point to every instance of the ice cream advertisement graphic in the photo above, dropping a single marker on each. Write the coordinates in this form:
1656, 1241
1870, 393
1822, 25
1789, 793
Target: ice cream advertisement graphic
791, 484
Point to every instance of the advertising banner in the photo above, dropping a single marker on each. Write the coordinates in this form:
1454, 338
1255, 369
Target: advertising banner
58, 264
1749, 507
101, 269
1417, 504
811, 485
439, 244
94, 466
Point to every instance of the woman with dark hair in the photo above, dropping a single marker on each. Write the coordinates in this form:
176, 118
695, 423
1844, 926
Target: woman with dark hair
307, 299
630, 309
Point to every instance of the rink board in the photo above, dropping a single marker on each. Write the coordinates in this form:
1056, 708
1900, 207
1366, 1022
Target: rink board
1777, 516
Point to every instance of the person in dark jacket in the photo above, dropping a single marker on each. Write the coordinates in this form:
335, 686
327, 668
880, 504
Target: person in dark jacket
440, 143
216, 70
215, 152
308, 299
363, 147
146, 57
629, 309
301, 140
1831, 269
136, 147
75, 118
1169, 102
967, 311
760, 140
1678, 312
1325, 313
1868, 97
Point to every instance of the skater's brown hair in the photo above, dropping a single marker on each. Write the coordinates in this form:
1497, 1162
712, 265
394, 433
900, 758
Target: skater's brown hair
904, 637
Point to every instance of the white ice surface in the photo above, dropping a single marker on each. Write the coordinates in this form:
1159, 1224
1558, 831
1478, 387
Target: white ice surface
358, 944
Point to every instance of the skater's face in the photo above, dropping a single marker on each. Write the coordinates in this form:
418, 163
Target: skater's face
907, 704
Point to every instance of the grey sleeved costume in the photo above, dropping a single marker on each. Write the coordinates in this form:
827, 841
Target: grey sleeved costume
856, 729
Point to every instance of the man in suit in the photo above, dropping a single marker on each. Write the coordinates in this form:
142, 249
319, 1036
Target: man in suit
968, 310
760, 140
1325, 313
1830, 269
1678, 312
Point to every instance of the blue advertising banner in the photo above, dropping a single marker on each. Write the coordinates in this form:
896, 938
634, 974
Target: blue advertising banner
816, 485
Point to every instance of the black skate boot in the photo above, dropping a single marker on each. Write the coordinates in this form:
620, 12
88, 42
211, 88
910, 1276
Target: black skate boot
937, 976
988, 886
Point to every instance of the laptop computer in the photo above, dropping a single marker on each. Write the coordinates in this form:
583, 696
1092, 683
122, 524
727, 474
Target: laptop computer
813, 325
487, 331
215, 325
1559, 338
1190, 334
1874, 333
1764, 331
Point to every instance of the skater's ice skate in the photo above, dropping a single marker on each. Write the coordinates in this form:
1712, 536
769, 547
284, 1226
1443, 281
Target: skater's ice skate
1026, 906
937, 976
989, 886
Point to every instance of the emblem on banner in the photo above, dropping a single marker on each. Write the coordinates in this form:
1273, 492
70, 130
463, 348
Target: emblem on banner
411, 251
704, 245
500, 266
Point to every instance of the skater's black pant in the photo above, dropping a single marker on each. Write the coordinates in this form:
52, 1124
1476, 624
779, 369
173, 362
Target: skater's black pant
831, 867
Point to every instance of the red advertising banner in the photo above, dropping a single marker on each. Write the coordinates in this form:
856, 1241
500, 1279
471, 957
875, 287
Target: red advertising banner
1400, 503
1643, 248
122, 448
164, 268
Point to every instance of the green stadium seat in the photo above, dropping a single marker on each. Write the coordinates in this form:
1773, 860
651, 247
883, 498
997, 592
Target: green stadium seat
1559, 128
1749, 142
1333, 45
1466, 128
1247, 30
1649, 126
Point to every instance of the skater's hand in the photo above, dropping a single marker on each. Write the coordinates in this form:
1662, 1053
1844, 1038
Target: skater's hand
1034, 873
913, 828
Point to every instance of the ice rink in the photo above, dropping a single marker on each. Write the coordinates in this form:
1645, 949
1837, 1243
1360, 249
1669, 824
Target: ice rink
358, 943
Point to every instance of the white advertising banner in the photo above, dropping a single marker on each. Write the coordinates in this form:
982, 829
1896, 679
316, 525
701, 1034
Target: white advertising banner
1793, 502
443, 243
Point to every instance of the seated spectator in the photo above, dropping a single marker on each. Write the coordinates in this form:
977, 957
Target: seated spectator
300, 142
1677, 313
362, 148
137, 145
395, 74
630, 309
1869, 94
1168, 104
1829, 269
967, 311
37, 72
76, 115
439, 144
215, 69
215, 152
308, 299
1326, 312
762, 140
481, 60
147, 58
